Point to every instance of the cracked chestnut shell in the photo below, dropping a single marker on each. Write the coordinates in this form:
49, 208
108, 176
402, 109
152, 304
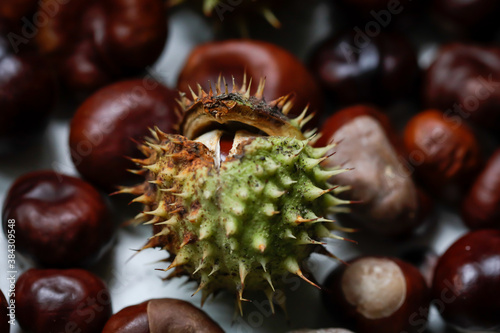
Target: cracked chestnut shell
60, 220
481, 206
284, 73
105, 125
51, 300
467, 281
161, 315
27, 94
378, 294
91, 43
464, 83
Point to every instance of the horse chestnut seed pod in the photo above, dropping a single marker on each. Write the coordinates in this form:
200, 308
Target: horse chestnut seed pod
390, 203
445, 154
467, 281
4, 314
383, 70
105, 125
92, 43
378, 294
60, 220
284, 73
161, 315
70, 300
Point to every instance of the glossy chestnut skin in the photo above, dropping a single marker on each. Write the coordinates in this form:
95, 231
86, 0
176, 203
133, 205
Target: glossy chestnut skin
103, 127
4, 311
481, 206
356, 68
445, 154
51, 300
389, 203
463, 82
61, 221
92, 43
474, 17
284, 73
161, 315
467, 280
378, 294
27, 94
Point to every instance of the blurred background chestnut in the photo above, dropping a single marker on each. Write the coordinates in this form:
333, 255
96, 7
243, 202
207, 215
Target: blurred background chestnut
52, 300
357, 68
15, 10
284, 73
161, 315
464, 82
60, 220
467, 281
92, 43
481, 206
445, 153
388, 202
27, 94
378, 294
105, 125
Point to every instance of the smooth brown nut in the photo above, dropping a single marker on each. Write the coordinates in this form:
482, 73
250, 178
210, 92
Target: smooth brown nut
4, 314
464, 82
105, 125
467, 281
92, 43
284, 73
53, 301
59, 220
378, 294
389, 202
27, 94
356, 68
161, 315
481, 206
445, 154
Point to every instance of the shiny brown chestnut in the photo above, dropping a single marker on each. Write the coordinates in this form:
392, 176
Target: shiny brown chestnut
52, 300
357, 68
92, 43
389, 202
4, 314
481, 206
27, 94
284, 73
378, 294
105, 125
467, 282
161, 315
59, 220
445, 153
464, 82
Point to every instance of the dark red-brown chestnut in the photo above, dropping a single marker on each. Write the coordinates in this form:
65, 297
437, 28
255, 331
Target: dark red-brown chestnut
284, 73
481, 206
389, 202
356, 70
103, 127
378, 294
61, 221
467, 281
92, 43
51, 300
4, 314
464, 83
445, 154
161, 315
27, 94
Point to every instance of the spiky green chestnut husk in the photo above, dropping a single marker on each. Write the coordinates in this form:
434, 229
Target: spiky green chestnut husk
243, 222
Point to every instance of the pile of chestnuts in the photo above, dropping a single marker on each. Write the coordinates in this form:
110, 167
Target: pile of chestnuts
408, 92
